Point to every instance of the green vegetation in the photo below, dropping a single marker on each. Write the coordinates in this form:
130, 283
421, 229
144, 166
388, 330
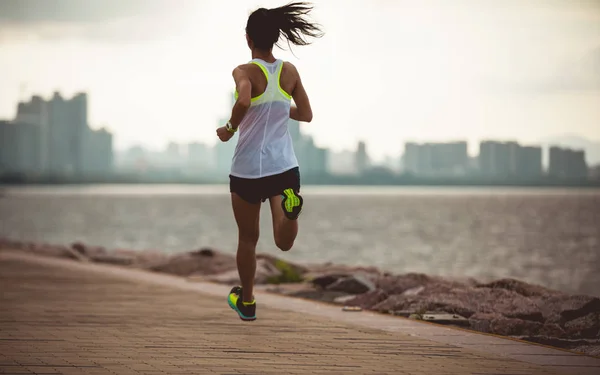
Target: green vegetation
288, 274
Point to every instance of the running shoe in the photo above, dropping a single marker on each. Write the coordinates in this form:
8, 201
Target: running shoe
246, 310
291, 204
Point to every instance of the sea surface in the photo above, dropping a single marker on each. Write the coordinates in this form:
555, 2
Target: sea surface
549, 237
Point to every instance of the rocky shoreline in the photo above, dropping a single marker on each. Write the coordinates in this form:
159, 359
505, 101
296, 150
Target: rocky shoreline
504, 307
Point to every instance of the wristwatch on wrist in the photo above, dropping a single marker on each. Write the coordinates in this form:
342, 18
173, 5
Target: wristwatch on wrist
230, 128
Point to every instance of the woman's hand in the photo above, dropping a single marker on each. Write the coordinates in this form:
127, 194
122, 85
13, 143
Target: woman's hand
224, 134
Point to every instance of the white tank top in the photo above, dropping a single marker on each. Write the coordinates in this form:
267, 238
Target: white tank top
264, 146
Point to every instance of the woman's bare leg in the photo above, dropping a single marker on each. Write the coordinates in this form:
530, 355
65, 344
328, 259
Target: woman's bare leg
247, 217
284, 229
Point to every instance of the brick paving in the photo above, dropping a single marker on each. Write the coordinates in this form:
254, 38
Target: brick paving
57, 320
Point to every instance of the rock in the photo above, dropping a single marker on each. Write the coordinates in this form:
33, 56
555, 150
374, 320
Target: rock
186, 264
464, 301
586, 327
266, 272
446, 319
148, 259
514, 305
592, 305
552, 330
563, 308
204, 252
482, 321
520, 287
54, 251
296, 268
413, 291
515, 327
343, 299
355, 284
89, 251
367, 300
391, 284
324, 281
113, 259
79, 247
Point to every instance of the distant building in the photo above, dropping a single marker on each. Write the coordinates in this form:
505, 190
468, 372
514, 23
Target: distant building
35, 112
495, 158
200, 158
436, 159
341, 163
312, 159
224, 153
66, 133
20, 151
510, 160
58, 139
530, 162
98, 151
361, 158
594, 172
566, 163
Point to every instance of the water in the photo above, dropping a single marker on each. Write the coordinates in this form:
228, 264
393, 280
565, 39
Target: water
545, 236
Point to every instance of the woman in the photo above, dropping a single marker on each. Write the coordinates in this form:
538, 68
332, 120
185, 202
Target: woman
264, 164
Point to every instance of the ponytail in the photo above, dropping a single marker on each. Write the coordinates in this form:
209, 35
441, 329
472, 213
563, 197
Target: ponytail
265, 26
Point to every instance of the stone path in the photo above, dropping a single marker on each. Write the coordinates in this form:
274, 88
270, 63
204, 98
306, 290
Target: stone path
58, 319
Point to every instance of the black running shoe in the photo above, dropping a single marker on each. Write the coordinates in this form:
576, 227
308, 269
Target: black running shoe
246, 310
291, 204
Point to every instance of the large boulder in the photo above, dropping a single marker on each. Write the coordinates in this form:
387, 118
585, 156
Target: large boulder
323, 281
203, 262
464, 301
396, 284
367, 300
520, 287
515, 327
564, 308
586, 327
56, 251
147, 259
278, 263
355, 284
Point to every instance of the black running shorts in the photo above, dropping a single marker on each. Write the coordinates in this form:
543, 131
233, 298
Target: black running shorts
255, 190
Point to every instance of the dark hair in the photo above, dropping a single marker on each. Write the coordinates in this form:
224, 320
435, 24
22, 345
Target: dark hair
266, 25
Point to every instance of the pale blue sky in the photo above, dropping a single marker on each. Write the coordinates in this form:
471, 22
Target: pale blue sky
386, 71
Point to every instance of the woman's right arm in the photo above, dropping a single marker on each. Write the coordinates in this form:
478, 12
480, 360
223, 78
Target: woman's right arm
302, 110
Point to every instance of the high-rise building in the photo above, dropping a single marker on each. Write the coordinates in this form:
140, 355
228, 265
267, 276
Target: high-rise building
99, 157
58, 138
436, 159
67, 131
410, 158
530, 162
361, 157
200, 158
566, 163
510, 160
496, 158
224, 153
20, 147
35, 112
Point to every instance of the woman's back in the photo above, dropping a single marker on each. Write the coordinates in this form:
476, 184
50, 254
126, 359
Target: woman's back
265, 146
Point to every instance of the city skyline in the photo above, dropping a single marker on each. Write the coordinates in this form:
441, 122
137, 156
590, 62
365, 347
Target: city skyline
466, 71
51, 138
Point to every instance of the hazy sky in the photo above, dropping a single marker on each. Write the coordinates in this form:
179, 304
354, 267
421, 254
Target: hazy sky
385, 72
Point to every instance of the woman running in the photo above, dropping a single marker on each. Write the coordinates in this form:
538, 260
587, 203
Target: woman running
264, 163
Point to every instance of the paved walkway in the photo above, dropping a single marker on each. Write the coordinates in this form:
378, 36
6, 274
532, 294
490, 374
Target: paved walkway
60, 319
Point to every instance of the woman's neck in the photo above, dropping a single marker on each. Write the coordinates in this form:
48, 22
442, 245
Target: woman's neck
263, 55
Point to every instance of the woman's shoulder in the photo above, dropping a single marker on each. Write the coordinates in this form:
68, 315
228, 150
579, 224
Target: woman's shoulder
289, 67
